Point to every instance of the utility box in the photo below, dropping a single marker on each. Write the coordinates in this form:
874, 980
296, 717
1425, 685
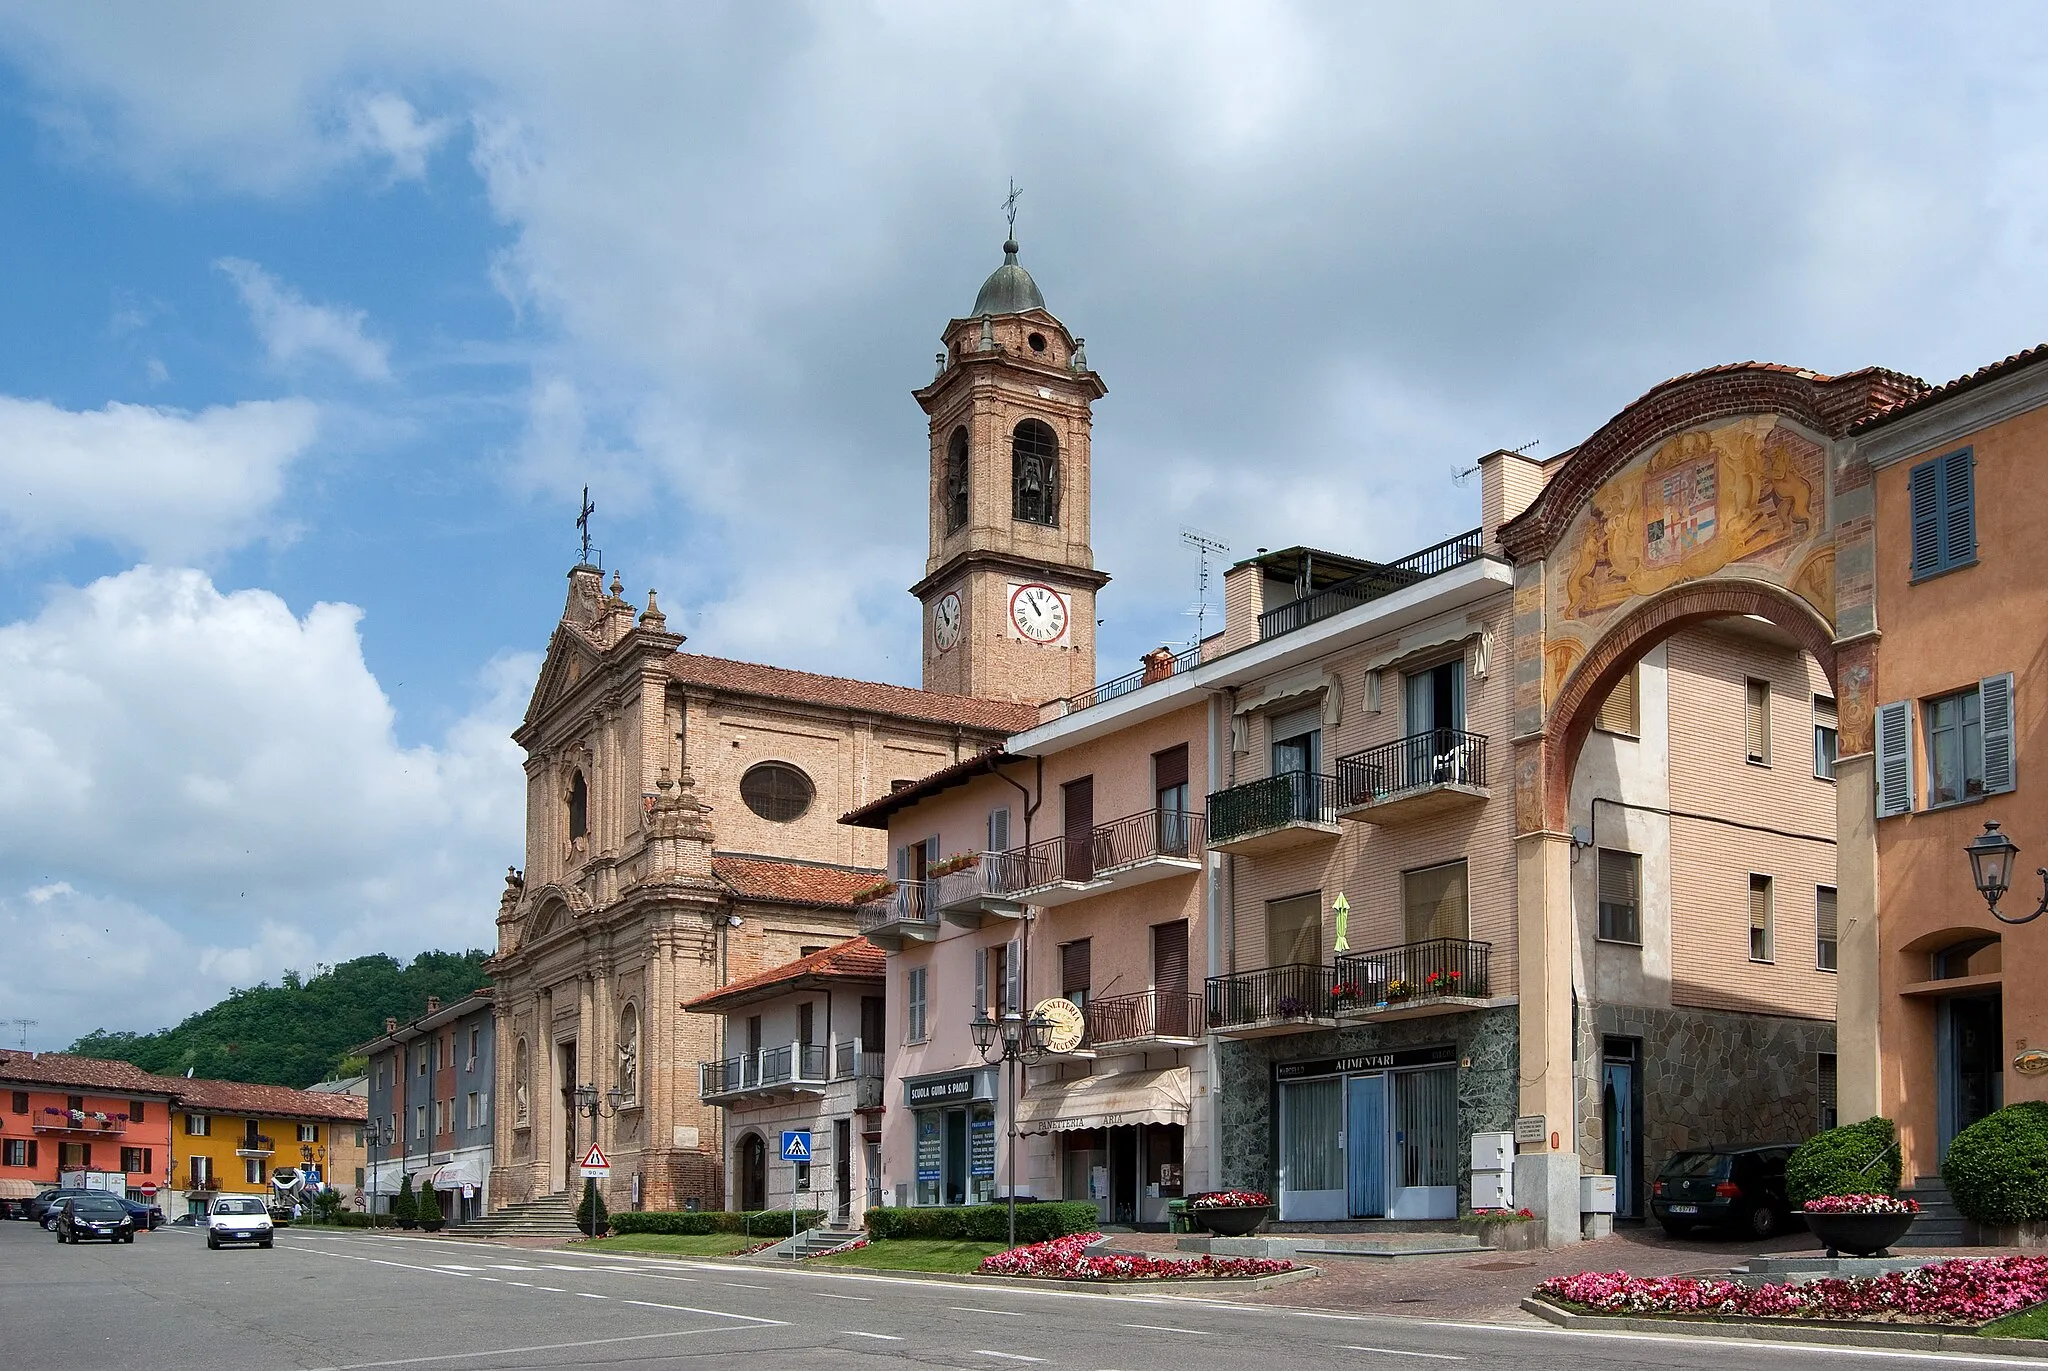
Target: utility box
1493, 1190
1596, 1194
1493, 1151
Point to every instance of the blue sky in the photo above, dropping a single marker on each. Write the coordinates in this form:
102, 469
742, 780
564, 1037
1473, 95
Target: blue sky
315, 323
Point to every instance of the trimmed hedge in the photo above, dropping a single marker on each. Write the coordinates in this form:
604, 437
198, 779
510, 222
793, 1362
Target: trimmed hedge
592, 1198
1036, 1222
1855, 1159
685, 1223
1997, 1168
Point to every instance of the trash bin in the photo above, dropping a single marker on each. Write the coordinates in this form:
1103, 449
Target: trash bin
1176, 1216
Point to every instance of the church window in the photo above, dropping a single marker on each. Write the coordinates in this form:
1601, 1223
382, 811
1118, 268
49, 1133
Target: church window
1037, 341
777, 791
956, 481
579, 808
1034, 471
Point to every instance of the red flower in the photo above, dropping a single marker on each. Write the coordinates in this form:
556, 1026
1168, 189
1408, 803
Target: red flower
1067, 1259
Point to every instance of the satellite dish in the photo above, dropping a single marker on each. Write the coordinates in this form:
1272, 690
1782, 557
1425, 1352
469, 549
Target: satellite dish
1066, 1024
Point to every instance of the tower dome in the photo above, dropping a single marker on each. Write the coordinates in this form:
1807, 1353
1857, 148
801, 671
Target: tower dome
1009, 288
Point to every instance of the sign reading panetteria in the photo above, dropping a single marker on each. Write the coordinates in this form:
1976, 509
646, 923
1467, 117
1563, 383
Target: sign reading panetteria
1439, 1054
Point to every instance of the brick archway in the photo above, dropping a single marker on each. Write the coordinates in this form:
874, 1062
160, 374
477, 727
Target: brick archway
1642, 628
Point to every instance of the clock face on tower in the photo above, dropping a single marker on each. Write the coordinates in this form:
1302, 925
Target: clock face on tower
1039, 613
946, 622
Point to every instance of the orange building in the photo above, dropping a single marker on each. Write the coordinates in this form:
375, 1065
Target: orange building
1961, 597
64, 1113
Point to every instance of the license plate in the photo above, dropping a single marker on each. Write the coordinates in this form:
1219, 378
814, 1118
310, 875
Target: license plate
1685, 1209
239, 1235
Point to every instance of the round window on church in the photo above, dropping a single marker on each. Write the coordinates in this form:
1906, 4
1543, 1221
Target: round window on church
1037, 341
777, 791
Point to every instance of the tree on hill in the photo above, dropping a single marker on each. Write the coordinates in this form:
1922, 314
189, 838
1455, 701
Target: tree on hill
297, 1032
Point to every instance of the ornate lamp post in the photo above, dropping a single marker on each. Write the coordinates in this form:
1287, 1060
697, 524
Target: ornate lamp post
1016, 1042
378, 1136
588, 1103
1992, 862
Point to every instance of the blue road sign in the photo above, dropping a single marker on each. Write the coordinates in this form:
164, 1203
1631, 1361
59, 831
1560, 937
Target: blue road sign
796, 1146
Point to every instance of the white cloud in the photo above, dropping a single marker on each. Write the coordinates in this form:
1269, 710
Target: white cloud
202, 788
294, 330
388, 126
167, 483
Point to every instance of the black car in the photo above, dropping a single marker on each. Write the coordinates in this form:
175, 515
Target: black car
42, 1209
1737, 1189
94, 1216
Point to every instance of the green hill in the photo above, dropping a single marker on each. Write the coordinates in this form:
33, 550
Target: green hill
298, 1032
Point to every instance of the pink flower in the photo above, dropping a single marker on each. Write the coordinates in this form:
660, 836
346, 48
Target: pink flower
1861, 1204
1964, 1291
1067, 1259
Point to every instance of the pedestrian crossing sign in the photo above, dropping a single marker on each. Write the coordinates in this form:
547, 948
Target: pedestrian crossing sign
796, 1146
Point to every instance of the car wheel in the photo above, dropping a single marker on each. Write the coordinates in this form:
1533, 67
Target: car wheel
128, 1238
266, 1242
1763, 1221
1676, 1229
213, 1242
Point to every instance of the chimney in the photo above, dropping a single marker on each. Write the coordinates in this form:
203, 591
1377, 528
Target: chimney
390, 1024
1508, 484
433, 1004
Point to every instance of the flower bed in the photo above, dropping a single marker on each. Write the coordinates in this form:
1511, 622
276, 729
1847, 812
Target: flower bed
1067, 1259
1962, 1292
1229, 1199
1861, 1204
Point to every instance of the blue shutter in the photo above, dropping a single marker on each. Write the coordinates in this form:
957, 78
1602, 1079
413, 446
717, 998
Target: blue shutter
1894, 758
1923, 488
1958, 509
1999, 770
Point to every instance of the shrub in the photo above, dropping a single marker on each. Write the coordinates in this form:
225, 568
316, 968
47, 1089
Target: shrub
593, 1200
1997, 1168
985, 1222
692, 1223
430, 1205
1855, 1159
406, 1207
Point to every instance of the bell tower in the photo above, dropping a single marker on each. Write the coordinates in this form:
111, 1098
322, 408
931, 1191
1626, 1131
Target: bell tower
1009, 587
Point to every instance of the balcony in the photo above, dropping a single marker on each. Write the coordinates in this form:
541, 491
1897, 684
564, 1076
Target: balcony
852, 1062
1278, 999
1139, 848
792, 1069
1292, 809
254, 1145
1416, 777
1160, 665
1149, 1018
200, 1180
902, 911
79, 1121
1411, 980
975, 894
1373, 583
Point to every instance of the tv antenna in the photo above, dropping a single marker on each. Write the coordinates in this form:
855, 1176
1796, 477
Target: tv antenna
1204, 544
22, 1026
1461, 475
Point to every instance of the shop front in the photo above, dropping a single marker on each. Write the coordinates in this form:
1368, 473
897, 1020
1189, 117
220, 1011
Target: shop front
1373, 1135
955, 1121
1121, 1139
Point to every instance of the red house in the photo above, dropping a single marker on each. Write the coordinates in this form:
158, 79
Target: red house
61, 1113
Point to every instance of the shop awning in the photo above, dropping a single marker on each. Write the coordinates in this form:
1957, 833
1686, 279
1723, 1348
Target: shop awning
21, 1190
1107, 1101
455, 1175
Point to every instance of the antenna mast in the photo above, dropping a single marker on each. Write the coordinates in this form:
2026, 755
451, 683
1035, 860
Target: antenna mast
23, 1026
1204, 544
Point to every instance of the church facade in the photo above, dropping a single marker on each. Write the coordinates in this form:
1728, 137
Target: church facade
682, 809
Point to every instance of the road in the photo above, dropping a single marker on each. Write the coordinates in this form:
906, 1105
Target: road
358, 1302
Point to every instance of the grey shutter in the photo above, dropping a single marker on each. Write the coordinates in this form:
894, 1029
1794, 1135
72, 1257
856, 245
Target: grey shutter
980, 981
999, 830
1894, 758
903, 863
1924, 503
1958, 508
1999, 768
1013, 977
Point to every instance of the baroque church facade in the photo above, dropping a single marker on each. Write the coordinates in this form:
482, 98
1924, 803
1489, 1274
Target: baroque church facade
682, 810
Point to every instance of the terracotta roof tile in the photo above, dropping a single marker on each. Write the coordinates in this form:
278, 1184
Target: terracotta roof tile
1948, 390
856, 959
271, 1101
88, 1073
873, 697
764, 878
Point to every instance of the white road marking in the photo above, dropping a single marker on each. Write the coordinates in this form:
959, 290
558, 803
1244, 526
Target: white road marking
1164, 1328
1006, 1356
828, 1295
730, 1285
588, 1296
969, 1309
517, 1351
1397, 1352
879, 1337
501, 1266
552, 1289
451, 1266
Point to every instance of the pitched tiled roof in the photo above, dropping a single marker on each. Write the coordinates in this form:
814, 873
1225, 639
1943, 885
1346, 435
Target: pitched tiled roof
1948, 390
856, 959
875, 813
872, 697
84, 1073
764, 878
271, 1101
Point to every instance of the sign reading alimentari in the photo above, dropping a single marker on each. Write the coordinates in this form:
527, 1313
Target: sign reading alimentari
1440, 1054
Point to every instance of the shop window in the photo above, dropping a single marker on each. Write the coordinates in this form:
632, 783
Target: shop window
1620, 897
1825, 947
1434, 903
1760, 914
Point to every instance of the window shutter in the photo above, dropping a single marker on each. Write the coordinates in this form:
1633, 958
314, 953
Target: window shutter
1824, 713
1013, 977
1999, 769
85, 1156
1958, 508
1757, 720
980, 981
1617, 877
999, 830
1170, 959
1170, 768
903, 863
1924, 501
31, 1151
1894, 758
1618, 714
1076, 968
1824, 914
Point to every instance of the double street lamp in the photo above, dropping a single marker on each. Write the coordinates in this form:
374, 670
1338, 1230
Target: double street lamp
1016, 1042
587, 1102
1992, 858
377, 1136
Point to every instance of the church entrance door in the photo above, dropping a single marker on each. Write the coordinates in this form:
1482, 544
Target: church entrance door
567, 1074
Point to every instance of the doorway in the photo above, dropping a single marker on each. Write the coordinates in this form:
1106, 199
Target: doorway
956, 1157
1970, 1072
565, 1054
1621, 1122
842, 1170
1312, 1150
1123, 1174
1365, 1145
753, 1169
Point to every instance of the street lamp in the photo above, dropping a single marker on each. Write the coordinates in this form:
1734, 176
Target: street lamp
587, 1102
377, 1135
1016, 1042
1992, 858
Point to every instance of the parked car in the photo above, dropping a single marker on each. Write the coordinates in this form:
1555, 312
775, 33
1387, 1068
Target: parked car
1737, 1189
97, 1215
238, 1218
43, 1207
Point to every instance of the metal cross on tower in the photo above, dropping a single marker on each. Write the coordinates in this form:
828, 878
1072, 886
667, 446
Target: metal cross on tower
583, 522
1010, 206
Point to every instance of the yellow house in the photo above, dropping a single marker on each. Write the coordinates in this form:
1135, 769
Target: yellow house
232, 1138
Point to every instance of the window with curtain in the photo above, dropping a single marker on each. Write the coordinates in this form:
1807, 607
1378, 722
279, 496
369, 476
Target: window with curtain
1434, 903
1824, 737
1294, 931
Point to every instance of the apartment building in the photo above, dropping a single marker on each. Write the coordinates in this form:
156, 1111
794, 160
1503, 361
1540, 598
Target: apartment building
69, 1114
233, 1138
430, 1104
804, 1047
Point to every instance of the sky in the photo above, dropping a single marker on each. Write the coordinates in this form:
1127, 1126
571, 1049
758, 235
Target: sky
316, 320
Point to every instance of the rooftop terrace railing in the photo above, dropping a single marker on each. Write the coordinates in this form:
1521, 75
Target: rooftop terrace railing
1372, 583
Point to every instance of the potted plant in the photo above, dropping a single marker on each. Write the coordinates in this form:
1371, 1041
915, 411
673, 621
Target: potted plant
1861, 1225
1399, 989
959, 861
1346, 992
1230, 1213
1292, 1007
406, 1208
430, 1209
876, 893
1442, 983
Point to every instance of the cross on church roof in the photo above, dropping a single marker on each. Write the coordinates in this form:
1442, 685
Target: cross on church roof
583, 523
1010, 207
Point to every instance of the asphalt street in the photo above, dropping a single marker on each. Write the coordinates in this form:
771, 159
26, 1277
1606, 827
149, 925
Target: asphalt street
352, 1302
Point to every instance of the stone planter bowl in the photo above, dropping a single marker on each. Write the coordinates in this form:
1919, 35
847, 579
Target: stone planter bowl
1860, 1235
1232, 1223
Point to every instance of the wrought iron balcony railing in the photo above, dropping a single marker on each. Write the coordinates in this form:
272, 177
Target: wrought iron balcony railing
1271, 995
908, 903
1292, 797
1437, 756
1145, 1015
1371, 584
254, 1145
1121, 845
1388, 977
1160, 668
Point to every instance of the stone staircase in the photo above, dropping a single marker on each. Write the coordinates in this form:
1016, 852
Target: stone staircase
813, 1242
1940, 1224
552, 1216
